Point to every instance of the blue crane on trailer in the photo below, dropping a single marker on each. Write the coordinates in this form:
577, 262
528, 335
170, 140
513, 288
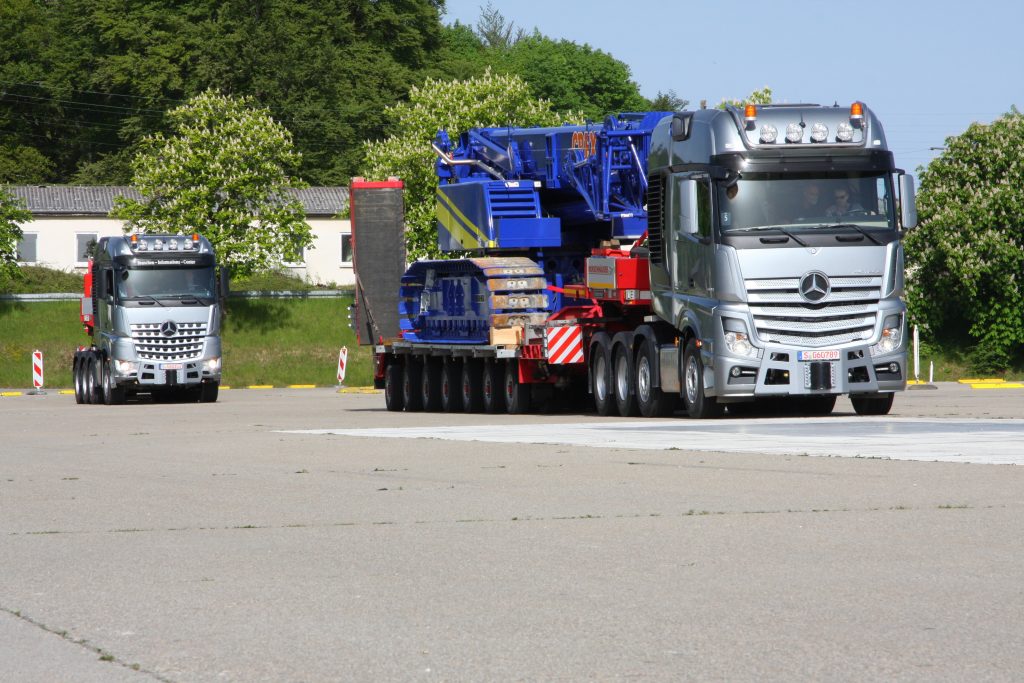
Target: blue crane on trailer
630, 263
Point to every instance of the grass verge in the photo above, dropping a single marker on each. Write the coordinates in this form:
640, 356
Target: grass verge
266, 341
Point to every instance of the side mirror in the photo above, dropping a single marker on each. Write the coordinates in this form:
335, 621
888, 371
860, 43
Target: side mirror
222, 281
681, 126
908, 202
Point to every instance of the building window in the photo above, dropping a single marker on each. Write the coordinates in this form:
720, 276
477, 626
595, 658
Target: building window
27, 248
346, 248
85, 245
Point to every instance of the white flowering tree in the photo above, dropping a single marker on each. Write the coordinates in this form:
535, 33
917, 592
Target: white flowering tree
224, 171
454, 106
12, 214
966, 260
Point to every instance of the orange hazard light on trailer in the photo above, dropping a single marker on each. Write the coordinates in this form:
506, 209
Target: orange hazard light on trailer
856, 111
750, 113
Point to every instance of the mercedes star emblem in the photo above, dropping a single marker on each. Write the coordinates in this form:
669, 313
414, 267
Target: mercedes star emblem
168, 329
814, 286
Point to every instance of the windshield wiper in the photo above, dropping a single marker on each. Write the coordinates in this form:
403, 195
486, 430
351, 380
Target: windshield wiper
777, 228
147, 297
852, 226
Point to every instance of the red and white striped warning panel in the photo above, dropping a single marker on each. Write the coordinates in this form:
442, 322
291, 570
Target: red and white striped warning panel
37, 369
564, 344
342, 362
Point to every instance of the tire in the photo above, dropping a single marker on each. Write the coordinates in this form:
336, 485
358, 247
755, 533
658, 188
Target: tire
430, 385
393, 387
208, 392
112, 393
601, 375
78, 376
622, 373
412, 379
879, 404
517, 394
93, 391
494, 379
472, 384
651, 400
818, 405
698, 405
451, 386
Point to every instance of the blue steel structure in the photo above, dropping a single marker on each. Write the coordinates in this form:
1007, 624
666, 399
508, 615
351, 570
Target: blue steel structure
529, 205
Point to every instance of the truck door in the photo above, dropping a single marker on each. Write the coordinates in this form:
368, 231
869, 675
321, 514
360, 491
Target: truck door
691, 234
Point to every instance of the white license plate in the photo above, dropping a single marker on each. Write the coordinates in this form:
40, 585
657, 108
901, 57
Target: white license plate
172, 366
831, 354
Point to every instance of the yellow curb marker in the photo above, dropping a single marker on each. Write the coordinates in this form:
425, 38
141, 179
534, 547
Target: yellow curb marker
988, 380
260, 386
302, 386
358, 390
10, 393
1000, 385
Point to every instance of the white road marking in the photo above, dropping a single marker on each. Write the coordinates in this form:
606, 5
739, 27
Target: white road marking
946, 440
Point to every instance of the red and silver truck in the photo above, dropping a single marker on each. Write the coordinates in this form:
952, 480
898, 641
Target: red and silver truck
153, 306
707, 260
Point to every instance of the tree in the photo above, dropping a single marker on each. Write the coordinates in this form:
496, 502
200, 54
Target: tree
225, 172
495, 31
454, 106
12, 214
966, 260
668, 101
762, 96
573, 77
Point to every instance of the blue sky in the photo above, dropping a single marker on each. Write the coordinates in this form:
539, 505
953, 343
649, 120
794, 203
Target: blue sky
928, 69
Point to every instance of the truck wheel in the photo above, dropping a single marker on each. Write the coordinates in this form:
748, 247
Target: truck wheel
451, 386
472, 385
430, 385
601, 375
879, 404
517, 394
494, 395
112, 393
393, 387
412, 378
208, 392
698, 405
78, 376
652, 401
625, 396
92, 380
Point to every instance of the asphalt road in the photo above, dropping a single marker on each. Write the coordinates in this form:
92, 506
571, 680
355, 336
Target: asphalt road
230, 542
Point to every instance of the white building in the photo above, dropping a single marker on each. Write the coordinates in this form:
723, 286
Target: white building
67, 218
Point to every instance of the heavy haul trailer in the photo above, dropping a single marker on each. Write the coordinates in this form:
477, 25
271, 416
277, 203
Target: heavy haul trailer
152, 307
713, 256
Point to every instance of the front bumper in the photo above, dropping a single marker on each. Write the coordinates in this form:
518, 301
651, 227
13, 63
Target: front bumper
780, 372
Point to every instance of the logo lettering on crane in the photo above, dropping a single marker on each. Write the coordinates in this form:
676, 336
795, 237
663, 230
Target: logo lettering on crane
585, 142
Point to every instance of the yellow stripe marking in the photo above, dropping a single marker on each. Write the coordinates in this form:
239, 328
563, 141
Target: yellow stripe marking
986, 380
10, 393
1001, 385
302, 386
465, 231
260, 386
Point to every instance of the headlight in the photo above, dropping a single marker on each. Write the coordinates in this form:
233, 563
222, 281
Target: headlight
844, 133
769, 133
819, 132
892, 336
126, 368
794, 133
211, 365
739, 345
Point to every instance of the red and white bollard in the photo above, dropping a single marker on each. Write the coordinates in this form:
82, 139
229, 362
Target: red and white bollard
342, 362
37, 372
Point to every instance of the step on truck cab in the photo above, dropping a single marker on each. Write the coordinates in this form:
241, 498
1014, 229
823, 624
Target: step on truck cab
153, 306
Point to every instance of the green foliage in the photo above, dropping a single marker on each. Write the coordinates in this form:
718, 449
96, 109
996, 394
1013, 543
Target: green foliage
41, 280
21, 165
224, 172
762, 96
668, 101
454, 106
966, 260
12, 214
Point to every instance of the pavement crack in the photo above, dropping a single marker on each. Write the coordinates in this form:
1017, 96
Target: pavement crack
103, 655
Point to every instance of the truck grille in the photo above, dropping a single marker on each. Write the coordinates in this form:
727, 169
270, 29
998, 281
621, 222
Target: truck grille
184, 343
847, 314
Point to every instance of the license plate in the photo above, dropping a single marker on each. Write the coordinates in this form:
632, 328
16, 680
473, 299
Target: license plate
172, 366
832, 354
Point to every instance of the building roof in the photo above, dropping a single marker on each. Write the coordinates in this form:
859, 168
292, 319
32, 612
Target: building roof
85, 200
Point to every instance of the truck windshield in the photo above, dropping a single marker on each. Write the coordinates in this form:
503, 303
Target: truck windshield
763, 201
166, 283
